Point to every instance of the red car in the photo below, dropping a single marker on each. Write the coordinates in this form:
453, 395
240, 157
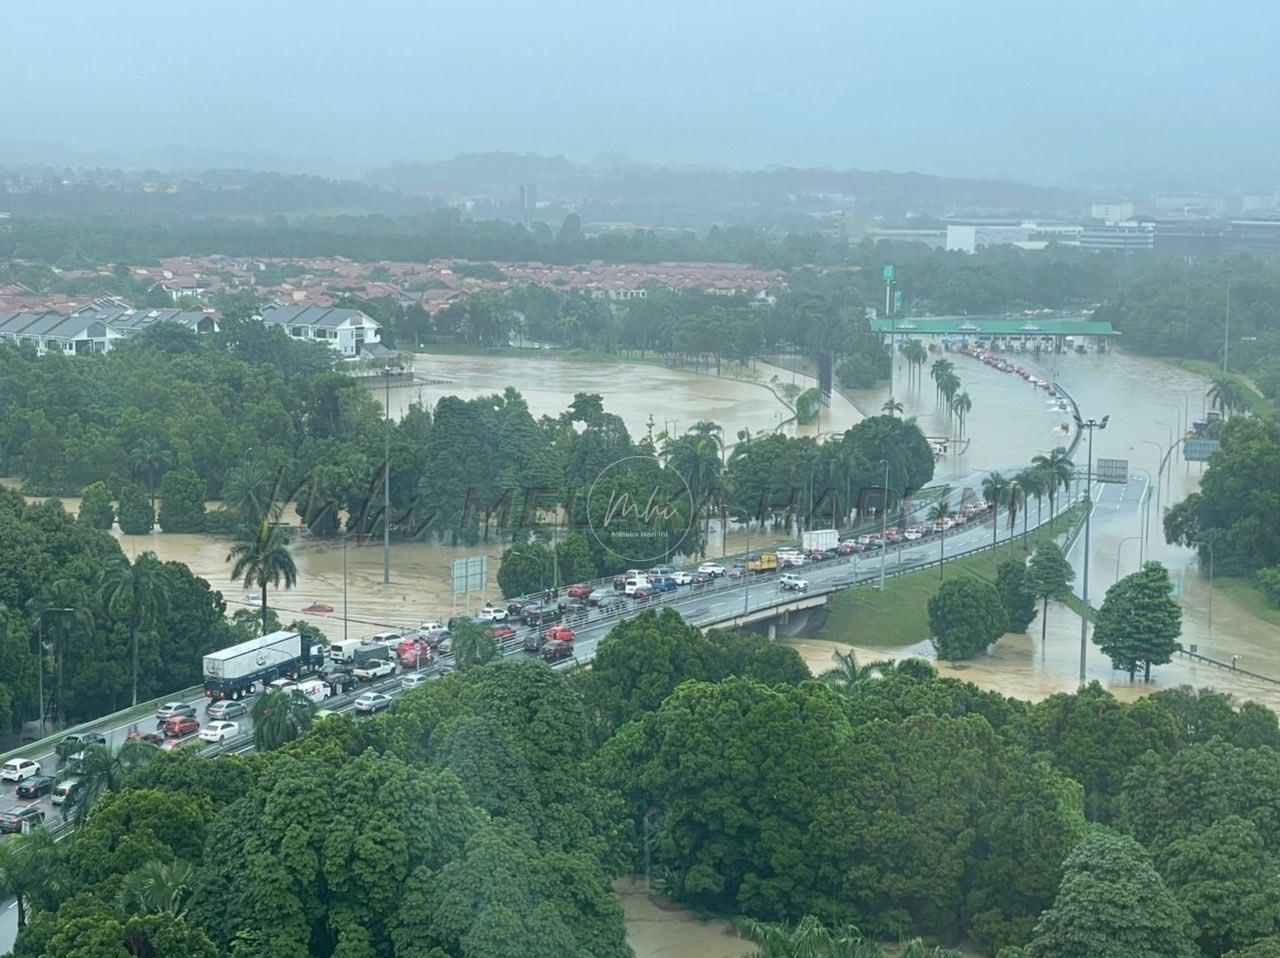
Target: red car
559, 633
415, 658
578, 591
504, 632
179, 726
555, 651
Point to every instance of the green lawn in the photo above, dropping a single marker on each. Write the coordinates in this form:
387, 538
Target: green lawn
897, 616
1244, 593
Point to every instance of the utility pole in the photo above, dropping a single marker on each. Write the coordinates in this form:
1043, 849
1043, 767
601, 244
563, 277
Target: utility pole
1091, 425
344, 586
884, 521
888, 274
386, 481
1226, 333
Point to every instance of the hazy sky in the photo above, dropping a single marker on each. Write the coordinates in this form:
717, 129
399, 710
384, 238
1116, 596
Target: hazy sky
1074, 91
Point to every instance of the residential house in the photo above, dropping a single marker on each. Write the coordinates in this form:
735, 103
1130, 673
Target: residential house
349, 331
50, 332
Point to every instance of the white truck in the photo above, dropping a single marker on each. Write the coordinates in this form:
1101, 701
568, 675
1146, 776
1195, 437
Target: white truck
824, 539
374, 669
315, 690
240, 670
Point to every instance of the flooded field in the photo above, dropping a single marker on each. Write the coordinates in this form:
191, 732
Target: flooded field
742, 398
657, 928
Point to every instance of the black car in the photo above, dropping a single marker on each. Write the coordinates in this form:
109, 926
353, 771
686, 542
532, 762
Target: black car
541, 614
515, 608
12, 820
340, 682
35, 786
573, 606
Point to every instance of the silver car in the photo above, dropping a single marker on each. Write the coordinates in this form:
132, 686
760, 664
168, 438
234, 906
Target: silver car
172, 709
225, 709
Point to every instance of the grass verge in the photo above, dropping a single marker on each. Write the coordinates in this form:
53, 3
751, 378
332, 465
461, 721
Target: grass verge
1262, 406
898, 616
1244, 593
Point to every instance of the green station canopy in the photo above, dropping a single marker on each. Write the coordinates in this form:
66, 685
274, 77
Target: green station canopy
993, 326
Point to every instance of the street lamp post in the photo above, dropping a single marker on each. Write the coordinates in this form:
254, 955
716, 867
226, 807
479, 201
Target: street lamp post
1144, 503
884, 521
1226, 333
1209, 546
1159, 471
344, 586
1164, 461
386, 480
746, 574
40, 657
1091, 425
1120, 550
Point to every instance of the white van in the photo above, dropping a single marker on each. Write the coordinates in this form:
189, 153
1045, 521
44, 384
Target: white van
314, 689
633, 582
344, 650
384, 638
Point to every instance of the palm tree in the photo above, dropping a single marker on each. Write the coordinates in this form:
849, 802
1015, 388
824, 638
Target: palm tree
150, 459
30, 867
1228, 396
280, 716
264, 559
1059, 469
939, 368
1031, 482
808, 938
847, 673
916, 355
995, 488
699, 457
136, 594
1017, 498
891, 407
941, 511
948, 385
472, 645
247, 491
156, 887
960, 407
104, 770
65, 597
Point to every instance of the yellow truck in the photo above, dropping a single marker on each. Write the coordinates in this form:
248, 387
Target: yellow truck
765, 562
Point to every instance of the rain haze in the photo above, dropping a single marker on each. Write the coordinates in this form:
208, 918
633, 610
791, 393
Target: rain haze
1088, 94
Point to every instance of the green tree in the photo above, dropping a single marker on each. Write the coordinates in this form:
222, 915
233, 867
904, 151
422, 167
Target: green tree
1229, 396
182, 502
808, 938
1015, 594
30, 867
96, 508
1049, 576
158, 886
263, 559
526, 568
1139, 623
1058, 470
1268, 947
996, 489
1112, 904
473, 645
1228, 882
939, 512
249, 493
280, 716
149, 460
103, 771
135, 594
136, 515
965, 617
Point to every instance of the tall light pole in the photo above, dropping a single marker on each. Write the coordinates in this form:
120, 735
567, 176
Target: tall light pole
746, 574
1160, 471
386, 481
884, 521
40, 642
1120, 550
1091, 425
1144, 520
1164, 461
1209, 546
344, 586
1226, 333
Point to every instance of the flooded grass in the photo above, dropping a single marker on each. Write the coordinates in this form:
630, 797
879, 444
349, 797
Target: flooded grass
1245, 594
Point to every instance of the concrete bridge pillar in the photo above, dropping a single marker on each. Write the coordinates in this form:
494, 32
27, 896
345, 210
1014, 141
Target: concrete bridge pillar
773, 630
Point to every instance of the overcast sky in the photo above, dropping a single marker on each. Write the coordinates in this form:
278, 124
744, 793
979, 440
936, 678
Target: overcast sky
1086, 92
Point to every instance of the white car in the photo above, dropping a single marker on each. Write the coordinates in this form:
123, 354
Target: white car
18, 769
711, 569
413, 681
682, 578
217, 731
427, 628
793, 583
493, 613
912, 534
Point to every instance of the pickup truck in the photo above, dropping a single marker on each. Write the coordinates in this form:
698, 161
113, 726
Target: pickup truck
374, 669
793, 583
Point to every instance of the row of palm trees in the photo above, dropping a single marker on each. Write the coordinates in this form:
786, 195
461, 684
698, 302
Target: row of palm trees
1046, 477
1229, 396
947, 388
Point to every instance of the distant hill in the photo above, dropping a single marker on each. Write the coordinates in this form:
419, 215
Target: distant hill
716, 193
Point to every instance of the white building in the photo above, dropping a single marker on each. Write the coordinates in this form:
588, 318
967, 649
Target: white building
970, 238
130, 321
348, 331
1112, 212
55, 333
1127, 235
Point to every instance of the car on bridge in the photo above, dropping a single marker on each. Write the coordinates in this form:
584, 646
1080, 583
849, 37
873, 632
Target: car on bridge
18, 769
793, 583
35, 786
219, 731
371, 702
713, 569
15, 818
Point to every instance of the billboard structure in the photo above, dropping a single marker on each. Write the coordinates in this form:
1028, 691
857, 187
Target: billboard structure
1112, 470
1200, 450
469, 575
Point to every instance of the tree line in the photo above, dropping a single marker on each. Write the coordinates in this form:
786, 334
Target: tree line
876, 802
